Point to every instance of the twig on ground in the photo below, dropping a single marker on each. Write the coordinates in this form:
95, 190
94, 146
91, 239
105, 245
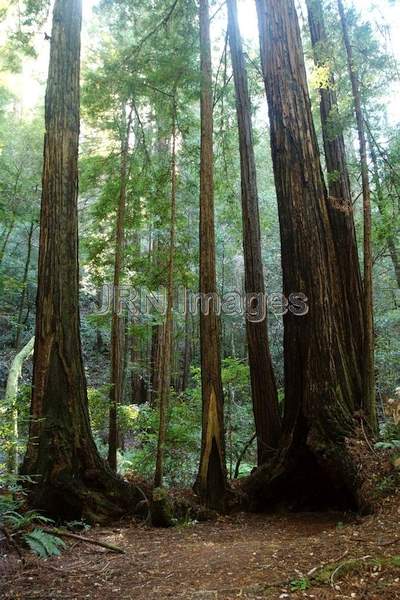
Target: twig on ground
12, 542
81, 538
321, 566
389, 543
342, 564
380, 544
366, 438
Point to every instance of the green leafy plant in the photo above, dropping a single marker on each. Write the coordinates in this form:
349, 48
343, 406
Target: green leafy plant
25, 525
389, 437
300, 585
44, 544
19, 521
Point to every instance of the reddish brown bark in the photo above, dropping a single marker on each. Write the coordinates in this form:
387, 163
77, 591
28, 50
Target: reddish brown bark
72, 479
340, 207
320, 399
117, 329
263, 387
211, 479
369, 384
165, 362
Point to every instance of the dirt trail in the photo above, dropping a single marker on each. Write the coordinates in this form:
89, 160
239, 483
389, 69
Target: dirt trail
245, 556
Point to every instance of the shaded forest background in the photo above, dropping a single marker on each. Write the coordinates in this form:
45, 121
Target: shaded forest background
140, 90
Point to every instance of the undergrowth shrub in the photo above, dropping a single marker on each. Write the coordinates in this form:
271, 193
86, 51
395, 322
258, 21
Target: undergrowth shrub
25, 526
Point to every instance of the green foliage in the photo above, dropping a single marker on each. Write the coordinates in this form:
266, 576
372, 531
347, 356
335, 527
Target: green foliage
20, 521
182, 443
300, 585
99, 408
26, 523
132, 64
184, 429
389, 437
44, 544
99, 404
388, 484
23, 19
387, 346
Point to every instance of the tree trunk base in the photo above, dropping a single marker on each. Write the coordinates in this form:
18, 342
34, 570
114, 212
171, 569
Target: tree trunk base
95, 497
312, 477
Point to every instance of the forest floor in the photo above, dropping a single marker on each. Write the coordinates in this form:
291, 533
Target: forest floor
305, 555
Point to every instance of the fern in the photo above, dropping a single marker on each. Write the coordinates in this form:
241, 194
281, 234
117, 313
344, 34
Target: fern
20, 521
388, 445
26, 525
77, 525
44, 544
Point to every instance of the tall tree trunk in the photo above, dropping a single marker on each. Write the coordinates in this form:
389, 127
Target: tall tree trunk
156, 332
369, 385
165, 362
211, 480
24, 287
117, 328
156, 340
99, 335
340, 206
320, 399
263, 386
136, 379
390, 240
73, 481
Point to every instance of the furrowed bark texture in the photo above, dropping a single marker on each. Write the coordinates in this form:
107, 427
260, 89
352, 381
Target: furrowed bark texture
320, 392
211, 480
263, 386
369, 385
72, 479
340, 207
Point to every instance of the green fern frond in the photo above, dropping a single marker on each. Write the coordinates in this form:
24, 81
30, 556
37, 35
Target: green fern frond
44, 544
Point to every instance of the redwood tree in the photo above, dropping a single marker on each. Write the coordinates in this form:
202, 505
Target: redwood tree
72, 479
320, 395
340, 206
369, 393
165, 351
117, 323
263, 387
211, 480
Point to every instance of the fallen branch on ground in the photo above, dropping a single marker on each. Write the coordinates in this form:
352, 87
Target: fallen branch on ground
12, 542
380, 544
81, 538
322, 565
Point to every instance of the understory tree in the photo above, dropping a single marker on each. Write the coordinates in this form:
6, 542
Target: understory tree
264, 392
369, 392
211, 480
